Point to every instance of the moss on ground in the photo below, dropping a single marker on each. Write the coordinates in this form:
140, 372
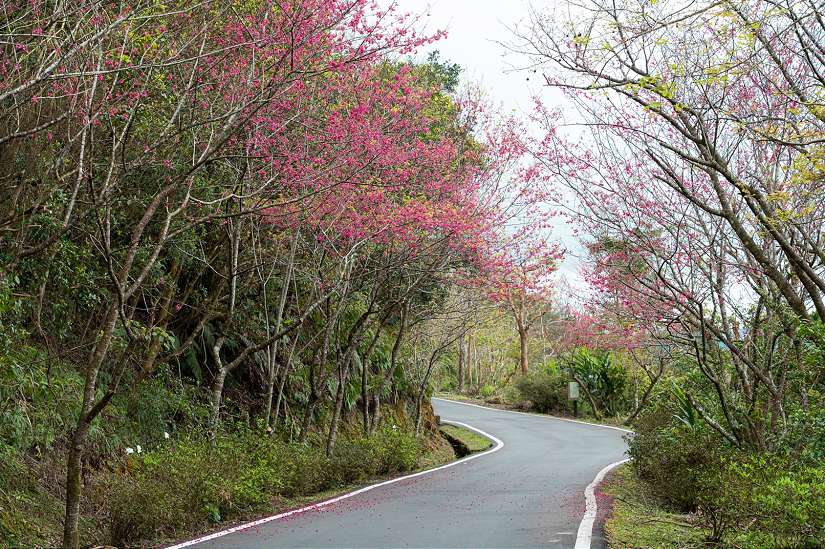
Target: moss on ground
638, 521
469, 439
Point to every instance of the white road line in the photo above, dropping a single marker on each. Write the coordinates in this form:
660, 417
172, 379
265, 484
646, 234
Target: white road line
545, 416
498, 446
585, 535
584, 538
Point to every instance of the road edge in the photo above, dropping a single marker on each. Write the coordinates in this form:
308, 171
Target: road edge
584, 535
498, 445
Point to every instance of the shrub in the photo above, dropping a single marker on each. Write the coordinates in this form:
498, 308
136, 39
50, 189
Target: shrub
29, 515
170, 491
399, 450
487, 391
546, 391
780, 497
606, 380
670, 456
743, 498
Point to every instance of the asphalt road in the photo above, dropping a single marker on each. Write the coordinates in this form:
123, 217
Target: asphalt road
530, 493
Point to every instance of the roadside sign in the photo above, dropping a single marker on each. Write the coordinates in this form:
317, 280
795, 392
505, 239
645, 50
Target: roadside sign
573, 391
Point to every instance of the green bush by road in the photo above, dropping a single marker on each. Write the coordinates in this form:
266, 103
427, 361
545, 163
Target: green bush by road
169, 493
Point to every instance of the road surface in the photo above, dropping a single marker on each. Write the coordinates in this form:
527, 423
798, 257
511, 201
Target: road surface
530, 493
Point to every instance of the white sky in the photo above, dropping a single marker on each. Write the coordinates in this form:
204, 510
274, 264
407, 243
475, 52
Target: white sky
476, 29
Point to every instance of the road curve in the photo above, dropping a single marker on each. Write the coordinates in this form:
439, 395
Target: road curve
530, 493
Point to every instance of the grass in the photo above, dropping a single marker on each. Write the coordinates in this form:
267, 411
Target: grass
469, 439
638, 521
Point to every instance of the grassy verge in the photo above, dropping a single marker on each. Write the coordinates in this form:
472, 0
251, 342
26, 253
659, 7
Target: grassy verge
638, 520
435, 452
470, 440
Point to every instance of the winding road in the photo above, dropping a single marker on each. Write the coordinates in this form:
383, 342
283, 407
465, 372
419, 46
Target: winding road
528, 491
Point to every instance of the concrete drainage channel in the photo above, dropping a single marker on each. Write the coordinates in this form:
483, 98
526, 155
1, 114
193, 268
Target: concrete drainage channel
463, 441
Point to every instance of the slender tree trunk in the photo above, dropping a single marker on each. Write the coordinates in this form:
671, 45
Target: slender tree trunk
589, 396
522, 342
74, 460
389, 375
462, 353
646, 395
469, 364
217, 389
376, 412
307, 422
223, 369
344, 366
365, 398
74, 472
418, 401
273, 371
365, 414
521, 325
336, 415
422, 389
284, 377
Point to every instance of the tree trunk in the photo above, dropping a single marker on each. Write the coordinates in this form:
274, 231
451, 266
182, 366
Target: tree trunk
376, 413
589, 396
469, 358
287, 368
74, 472
646, 395
419, 399
522, 342
273, 371
74, 460
365, 396
308, 411
336, 416
217, 390
223, 369
389, 375
270, 384
523, 328
462, 352
422, 389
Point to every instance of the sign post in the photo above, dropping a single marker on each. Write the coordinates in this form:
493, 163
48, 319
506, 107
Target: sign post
573, 394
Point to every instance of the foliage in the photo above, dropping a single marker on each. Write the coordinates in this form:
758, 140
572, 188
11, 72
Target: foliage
545, 389
29, 515
603, 378
232, 213
672, 457
487, 391
182, 488
38, 399
698, 190
764, 500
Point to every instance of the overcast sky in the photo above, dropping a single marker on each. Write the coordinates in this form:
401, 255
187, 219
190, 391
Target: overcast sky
476, 30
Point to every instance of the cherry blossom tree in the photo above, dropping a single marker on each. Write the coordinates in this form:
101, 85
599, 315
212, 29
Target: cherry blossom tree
696, 184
